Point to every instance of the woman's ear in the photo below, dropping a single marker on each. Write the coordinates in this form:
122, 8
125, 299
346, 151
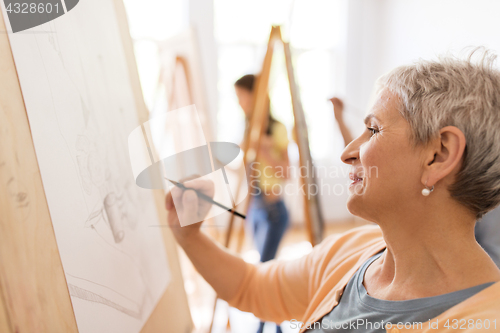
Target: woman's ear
450, 147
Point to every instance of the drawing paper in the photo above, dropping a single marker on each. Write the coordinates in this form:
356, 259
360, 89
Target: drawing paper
80, 105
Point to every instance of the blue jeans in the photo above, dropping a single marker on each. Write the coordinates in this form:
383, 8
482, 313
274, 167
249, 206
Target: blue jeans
269, 221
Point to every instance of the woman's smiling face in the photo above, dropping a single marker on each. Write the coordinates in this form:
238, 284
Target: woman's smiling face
386, 168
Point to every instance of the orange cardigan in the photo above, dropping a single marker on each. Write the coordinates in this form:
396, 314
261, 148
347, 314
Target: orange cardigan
308, 288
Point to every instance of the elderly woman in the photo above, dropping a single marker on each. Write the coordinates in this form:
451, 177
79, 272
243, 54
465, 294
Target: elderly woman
426, 167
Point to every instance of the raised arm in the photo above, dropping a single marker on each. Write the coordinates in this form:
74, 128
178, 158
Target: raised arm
262, 289
222, 270
338, 109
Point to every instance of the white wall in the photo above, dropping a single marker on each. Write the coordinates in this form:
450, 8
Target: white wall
425, 28
363, 50
201, 16
386, 33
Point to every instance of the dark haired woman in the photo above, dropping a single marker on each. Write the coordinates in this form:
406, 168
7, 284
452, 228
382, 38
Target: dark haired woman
267, 213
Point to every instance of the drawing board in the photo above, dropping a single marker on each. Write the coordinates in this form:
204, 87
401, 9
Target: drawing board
81, 96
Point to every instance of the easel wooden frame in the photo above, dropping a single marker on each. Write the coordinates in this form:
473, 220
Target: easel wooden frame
33, 292
183, 50
258, 122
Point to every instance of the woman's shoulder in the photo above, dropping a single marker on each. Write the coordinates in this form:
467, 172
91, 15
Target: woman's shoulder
362, 234
278, 128
279, 134
480, 310
360, 241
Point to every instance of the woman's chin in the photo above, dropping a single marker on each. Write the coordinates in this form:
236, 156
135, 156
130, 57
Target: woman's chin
354, 202
351, 203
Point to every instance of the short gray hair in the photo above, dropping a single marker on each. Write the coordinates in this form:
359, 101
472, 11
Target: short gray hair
462, 93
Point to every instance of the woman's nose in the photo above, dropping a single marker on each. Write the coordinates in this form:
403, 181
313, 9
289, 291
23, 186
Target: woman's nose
351, 152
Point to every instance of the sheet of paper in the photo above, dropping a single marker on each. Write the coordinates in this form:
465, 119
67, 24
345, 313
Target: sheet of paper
81, 110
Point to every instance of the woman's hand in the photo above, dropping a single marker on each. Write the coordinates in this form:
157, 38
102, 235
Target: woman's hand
222, 270
185, 206
338, 107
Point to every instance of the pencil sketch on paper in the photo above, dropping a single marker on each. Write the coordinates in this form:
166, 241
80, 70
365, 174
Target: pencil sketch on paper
79, 100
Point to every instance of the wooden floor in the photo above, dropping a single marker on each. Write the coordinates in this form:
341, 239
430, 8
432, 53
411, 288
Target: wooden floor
201, 296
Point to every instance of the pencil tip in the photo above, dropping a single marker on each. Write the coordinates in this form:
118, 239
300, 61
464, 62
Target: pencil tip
173, 182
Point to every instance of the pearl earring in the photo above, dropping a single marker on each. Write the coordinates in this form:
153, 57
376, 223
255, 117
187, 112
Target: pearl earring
426, 191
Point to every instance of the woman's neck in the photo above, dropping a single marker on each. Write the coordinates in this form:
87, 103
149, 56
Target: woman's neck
429, 255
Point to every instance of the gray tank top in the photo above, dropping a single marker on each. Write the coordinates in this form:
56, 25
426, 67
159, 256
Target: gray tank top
359, 312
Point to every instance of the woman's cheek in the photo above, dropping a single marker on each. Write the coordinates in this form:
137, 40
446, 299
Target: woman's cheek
372, 160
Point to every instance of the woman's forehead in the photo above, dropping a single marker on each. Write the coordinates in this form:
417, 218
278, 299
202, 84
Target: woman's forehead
384, 108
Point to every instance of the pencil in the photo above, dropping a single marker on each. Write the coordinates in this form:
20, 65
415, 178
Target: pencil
207, 198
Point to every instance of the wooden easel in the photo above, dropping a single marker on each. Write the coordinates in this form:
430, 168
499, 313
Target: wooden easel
181, 74
251, 143
34, 296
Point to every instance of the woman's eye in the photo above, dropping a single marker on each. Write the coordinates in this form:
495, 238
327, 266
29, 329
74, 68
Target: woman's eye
372, 130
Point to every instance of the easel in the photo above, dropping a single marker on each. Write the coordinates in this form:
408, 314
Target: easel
34, 295
181, 75
251, 143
